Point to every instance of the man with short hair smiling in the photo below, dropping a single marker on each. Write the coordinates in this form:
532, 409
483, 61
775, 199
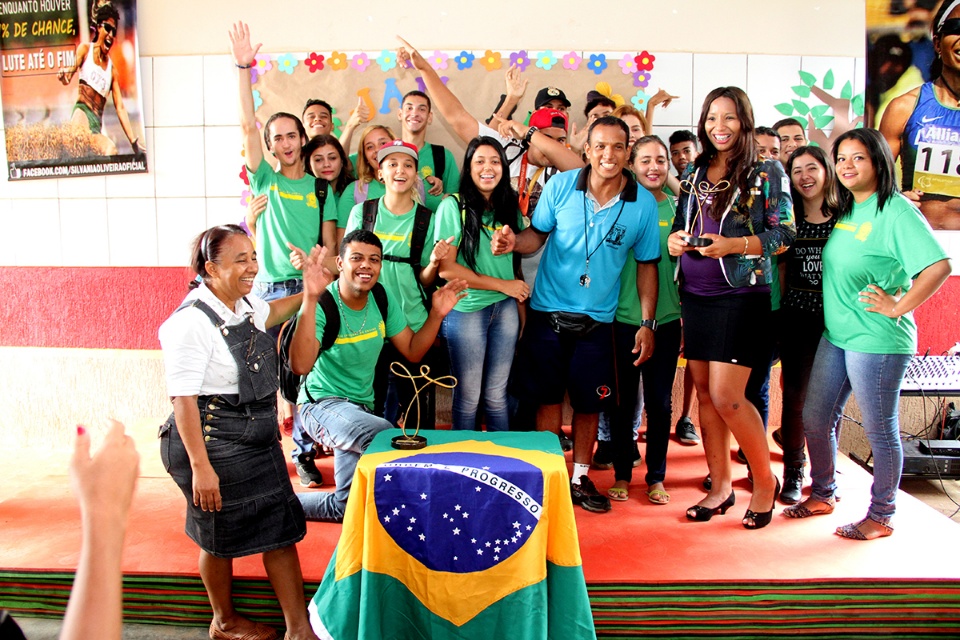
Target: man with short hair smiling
792, 137
768, 143
683, 149
415, 115
594, 217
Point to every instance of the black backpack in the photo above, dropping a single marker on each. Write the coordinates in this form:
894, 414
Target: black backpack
421, 224
439, 161
289, 381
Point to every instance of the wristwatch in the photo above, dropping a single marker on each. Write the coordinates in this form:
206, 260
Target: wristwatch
649, 324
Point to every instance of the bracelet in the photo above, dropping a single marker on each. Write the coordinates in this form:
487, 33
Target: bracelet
745, 244
245, 66
529, 134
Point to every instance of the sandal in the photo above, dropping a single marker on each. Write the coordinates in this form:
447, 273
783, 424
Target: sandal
854, 532
618, 494
658, 496
803, 511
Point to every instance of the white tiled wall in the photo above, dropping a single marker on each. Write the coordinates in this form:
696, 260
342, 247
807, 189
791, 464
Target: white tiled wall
193, 152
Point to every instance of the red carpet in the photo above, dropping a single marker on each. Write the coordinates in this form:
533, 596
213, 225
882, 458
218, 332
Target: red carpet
649, 571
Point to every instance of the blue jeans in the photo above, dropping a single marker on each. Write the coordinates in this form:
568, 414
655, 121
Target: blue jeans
268, 291
348, 429
481, 345
875, 379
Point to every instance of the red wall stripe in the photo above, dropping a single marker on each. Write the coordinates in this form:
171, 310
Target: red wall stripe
122, 307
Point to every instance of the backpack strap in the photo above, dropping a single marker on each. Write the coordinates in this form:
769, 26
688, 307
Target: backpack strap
331, 325
370, 214
421, 224
439, 160
380, 297
320, 189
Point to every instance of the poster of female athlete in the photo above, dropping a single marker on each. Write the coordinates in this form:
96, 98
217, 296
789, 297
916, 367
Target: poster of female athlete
70, 88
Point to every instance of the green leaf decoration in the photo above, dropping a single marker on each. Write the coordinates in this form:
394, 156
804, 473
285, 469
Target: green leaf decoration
857, 104
828, 80
785, 108
802, 90
847, 92
859, 125
801, 108
807, 78
822, 121
819, 110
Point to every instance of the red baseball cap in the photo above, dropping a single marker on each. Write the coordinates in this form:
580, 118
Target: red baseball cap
546, 118
397, 146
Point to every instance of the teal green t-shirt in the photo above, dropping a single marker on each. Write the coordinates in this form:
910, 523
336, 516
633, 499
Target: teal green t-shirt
348, 199
668, 299
888, 249
346, 369
450, 223
450, 177
331, 206
396, 232
292, 215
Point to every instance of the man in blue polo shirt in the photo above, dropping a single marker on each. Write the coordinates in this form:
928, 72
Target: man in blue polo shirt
590, 219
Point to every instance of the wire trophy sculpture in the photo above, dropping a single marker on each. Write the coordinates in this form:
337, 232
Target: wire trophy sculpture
415, 440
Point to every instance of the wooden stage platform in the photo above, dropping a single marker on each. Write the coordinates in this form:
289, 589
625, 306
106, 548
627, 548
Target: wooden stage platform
649, 571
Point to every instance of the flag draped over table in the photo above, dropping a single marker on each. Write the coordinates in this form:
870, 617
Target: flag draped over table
464, 539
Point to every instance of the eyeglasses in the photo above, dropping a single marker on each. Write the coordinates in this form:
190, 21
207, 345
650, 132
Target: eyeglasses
950, 27
109, 28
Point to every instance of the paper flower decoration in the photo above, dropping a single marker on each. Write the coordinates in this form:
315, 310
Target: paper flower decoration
645, 61
491, 60
257, 100
640, 100
572, 61
261, 64
464, 60
438, 60
387, 60
546, 60
314, 62
360, 62
627, 65
520, 59
245, 197
598, 62
243, 174
604, 88
286, 63
641, 79
337, 61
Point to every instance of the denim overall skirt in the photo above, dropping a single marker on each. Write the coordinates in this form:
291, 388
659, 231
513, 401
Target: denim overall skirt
260, 510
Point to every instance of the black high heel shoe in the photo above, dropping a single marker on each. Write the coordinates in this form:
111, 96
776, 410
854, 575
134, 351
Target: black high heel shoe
702, 514
754, 520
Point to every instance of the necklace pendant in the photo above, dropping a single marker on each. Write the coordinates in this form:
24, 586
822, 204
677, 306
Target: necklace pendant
585, 281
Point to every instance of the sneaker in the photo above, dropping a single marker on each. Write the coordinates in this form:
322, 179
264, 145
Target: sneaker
603, 458
310, 476
792, 485
778, 437
585, 494
686, 432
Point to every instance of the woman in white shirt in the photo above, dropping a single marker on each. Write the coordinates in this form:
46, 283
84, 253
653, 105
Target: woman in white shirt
221, 443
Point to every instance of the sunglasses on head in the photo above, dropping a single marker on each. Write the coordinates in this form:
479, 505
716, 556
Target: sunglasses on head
949, 27
112, 30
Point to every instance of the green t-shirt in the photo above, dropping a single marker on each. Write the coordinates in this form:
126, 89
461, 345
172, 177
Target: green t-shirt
450, 223
450, 177
331, 206
348, 199
292, 215
396, 232
887, 249
346, 369
668, 299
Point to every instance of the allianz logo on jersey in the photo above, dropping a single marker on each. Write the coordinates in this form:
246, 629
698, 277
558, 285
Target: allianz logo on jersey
934, 134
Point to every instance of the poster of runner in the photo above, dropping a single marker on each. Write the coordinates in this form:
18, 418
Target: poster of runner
70, 88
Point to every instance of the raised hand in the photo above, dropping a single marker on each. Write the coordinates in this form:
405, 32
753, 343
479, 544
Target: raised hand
359, 115
663, 98
503, 240
516, 83
316, 277
105, 482
577, 138
243, 52
408, 56
446, 297
441, 250
258, 204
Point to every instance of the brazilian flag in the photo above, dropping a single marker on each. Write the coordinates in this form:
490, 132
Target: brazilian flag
471, 537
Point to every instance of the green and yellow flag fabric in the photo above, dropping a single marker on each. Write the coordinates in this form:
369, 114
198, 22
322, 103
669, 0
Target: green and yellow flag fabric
471, 537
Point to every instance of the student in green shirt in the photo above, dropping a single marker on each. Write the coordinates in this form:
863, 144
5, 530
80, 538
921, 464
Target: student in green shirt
881, 262
482, 330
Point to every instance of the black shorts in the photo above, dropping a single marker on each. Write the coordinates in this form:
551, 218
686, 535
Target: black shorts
732, 328
552, 364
